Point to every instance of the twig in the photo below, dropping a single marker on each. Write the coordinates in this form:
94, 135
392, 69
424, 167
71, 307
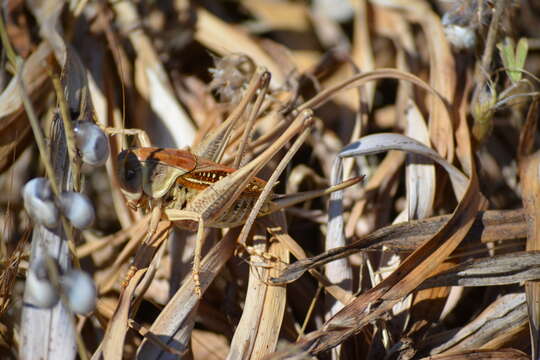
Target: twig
489, 48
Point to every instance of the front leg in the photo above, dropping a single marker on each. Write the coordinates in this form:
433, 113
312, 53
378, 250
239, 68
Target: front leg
142, 256
179, 215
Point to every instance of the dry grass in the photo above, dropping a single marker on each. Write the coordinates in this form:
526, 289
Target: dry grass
435, 255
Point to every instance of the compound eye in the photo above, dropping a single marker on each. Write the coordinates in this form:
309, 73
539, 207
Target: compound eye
130, 174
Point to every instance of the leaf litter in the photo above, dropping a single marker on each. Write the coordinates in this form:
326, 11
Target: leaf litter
442, 127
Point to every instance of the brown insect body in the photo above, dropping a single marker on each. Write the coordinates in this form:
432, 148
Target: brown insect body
175, 177
193, 192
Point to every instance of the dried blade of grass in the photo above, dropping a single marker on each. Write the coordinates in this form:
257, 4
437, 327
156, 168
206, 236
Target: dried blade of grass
209, 345
329, 34
445, 241
386, 169
112, 240
373, 144
279, 15
124, 67
14, 128
504, 269
529, 165
527, 135
114, 271
478, 354
399, 30
201, 105
420, 184
10, 270
175, 322
442, 72
503, 315
243, 341
258, 329
257, 332
530, 184
116, 116
226, 39
392, 24
112, 346
508, 338
335, 291
361, 118
47, 14
424, 307
420, 174
290, 61
174, 127
152, 261
363, 79
125, 216
347, 99
463, 148
338, 272
435, 309
114, 337
33, 76
275, 300
332, 38
442, 77
362, 52
377, 301
424, 310
143, 331
360, 80
489, 226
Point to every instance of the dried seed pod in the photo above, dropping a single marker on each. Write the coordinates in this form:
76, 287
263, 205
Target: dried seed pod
336, 10
462, 36
482, 109
77, 208
230, 75
39, 288
92, 143
80, 291
38, 202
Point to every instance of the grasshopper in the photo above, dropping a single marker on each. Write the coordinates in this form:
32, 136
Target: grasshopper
192, 190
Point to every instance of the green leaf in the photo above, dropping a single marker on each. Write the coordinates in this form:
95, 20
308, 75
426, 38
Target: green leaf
521, 55
506, 50
513, 57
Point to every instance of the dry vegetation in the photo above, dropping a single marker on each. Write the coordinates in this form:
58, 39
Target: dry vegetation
435, 255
